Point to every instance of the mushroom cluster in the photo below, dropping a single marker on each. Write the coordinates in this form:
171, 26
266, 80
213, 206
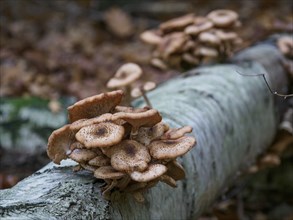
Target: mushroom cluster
192, 40
131, 149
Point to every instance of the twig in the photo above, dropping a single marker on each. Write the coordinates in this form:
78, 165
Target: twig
264, 77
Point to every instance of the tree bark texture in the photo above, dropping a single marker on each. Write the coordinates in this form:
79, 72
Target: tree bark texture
234, 119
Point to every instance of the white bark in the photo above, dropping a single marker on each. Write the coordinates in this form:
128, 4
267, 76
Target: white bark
234, 120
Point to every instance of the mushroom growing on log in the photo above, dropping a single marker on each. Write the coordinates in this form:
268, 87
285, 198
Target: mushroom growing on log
225, 110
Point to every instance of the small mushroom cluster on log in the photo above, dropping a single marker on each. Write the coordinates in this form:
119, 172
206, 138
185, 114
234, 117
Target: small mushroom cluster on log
126, 79
191, 40
130, 148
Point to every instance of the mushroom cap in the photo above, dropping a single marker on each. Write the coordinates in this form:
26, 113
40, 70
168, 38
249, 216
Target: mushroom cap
127, 109
125, 75
95, 105
108, 172
172, 43
152, 172
190, 58
170, 149
147, 86
226, 36
99, 161
223, 17
77, 125
175, 133
59, 143
140, 119
200, 24
146, 135
177, 23
209, 38
82, 155
104, 134
151, 37
129, 155
206, 52
159, 63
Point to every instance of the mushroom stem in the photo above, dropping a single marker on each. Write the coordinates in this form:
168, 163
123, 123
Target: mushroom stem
146, 99
108, 188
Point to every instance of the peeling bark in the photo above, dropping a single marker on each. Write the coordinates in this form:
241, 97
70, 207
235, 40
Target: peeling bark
234, 119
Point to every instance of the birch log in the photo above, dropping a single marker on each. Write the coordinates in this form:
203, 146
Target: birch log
234, 120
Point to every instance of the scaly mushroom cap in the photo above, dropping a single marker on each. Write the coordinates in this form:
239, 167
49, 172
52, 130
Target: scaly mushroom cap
108, 172
104, 134
175, 133
177, 23
170, 149
125, 75
146, 135
129, 155
82, 155
95, 105
141, 119
223, 17
152, 172
59, 143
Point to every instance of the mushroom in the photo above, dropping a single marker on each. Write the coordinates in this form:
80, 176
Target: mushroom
159, 63
206, 52
128, 109
95, 105
82, 155
141, 91
129, 156
190, 58
200, 24
104, 134
151, 37
170, 149
175, 133
172, 43
177, 23
209, 38
59, 144
125, 75
108, 172
152, 172
146, 135
99, 161
223, 17
285, 45
141, 119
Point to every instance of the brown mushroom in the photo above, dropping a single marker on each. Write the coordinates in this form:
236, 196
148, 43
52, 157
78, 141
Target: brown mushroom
138, 91
177, 23
175, 133
95, 105
209, 38
141, 119
206, 52
170, 149
223, 17
153, 171
151, 37
200, 24
59, 144
125, 75
99, 161
172, 43
82, 155
159, 63
104, 134
146, 135
129, 155
108, 172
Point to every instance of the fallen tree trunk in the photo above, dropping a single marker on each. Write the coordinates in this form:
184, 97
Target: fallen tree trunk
234, 119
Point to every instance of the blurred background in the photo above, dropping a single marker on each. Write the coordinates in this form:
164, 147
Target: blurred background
55, 52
